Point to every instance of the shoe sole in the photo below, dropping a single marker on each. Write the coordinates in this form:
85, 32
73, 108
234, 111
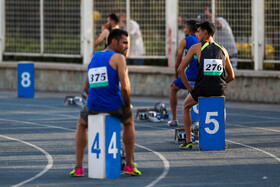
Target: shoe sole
132, 174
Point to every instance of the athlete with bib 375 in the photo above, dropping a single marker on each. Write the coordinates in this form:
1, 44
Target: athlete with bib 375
214, 72
106, 72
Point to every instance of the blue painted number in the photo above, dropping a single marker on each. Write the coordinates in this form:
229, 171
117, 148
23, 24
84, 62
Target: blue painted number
95, 146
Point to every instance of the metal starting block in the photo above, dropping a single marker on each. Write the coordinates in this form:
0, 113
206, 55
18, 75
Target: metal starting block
155, 114
180, 135
143, 113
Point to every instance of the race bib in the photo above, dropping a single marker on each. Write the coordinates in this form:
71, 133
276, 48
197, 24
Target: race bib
213, 67
98, 77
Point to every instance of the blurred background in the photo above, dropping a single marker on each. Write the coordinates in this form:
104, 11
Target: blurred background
51, 30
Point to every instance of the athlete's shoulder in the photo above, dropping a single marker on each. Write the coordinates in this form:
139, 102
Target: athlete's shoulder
118, 57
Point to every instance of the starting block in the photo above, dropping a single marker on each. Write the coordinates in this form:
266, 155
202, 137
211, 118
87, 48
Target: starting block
180, 134
104, 146
211, 123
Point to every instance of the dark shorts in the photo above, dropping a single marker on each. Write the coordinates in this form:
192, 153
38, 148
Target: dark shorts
199, 92
86, 111
178, 82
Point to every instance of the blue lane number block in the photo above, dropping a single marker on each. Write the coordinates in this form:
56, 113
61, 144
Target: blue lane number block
104, 152
113, 147
25, 80
211, 123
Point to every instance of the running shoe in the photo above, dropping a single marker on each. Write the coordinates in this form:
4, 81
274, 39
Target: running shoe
131, 171
187, 146
173, 123
77, 172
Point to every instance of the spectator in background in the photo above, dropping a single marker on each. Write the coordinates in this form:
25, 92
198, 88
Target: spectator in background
191, 71
181, 29
136, 46
223, 36
112, 23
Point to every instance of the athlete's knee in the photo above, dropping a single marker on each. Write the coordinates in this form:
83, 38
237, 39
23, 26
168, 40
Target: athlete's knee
174, 88
82, 123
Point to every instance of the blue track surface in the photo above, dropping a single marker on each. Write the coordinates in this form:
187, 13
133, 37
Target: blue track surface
37, 147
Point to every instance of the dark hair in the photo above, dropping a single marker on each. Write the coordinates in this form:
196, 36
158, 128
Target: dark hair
116, 34
206, 25
115, 17
192, 25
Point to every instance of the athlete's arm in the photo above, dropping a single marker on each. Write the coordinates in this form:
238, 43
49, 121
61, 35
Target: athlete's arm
104, 34
118, 62
182, 46
125, 83
181, 70
86, 86
229, 70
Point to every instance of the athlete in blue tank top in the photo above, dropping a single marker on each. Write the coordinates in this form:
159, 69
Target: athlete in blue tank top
104, 93
106, 72
191, 71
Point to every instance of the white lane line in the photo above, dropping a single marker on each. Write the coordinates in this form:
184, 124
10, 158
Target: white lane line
47, 155
260, 128
164, 160
254, 116
31, 123
257, 149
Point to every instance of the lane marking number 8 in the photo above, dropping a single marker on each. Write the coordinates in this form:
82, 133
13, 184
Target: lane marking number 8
25, 82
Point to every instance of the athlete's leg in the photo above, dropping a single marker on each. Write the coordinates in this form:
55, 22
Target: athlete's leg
188, 103
129, 140
81, 141
173, 100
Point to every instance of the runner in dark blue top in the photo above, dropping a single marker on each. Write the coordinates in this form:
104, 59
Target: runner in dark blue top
106, 72
191, 71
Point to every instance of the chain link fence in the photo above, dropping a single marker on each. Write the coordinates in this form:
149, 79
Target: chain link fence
53, 27
45, 28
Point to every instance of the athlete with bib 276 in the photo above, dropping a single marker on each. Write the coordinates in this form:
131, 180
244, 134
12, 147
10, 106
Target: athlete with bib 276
106, 72
214, 72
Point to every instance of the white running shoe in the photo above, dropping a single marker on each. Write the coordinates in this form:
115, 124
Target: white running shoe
173, 123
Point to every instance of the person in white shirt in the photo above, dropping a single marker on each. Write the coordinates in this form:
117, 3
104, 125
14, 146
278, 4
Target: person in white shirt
136, 47
223, 36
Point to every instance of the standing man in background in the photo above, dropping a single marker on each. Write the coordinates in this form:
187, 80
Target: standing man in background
112, 23
136, 44
191, 71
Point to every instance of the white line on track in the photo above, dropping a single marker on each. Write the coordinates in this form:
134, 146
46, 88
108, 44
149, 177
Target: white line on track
257, 149
47, 155
260, 128
164, 160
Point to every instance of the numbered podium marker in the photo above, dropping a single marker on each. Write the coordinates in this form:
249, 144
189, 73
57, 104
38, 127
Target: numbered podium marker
211, 123
104, 144
25, 80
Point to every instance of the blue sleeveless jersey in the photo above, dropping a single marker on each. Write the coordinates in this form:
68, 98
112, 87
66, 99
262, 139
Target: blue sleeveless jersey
104, 90
192, 69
